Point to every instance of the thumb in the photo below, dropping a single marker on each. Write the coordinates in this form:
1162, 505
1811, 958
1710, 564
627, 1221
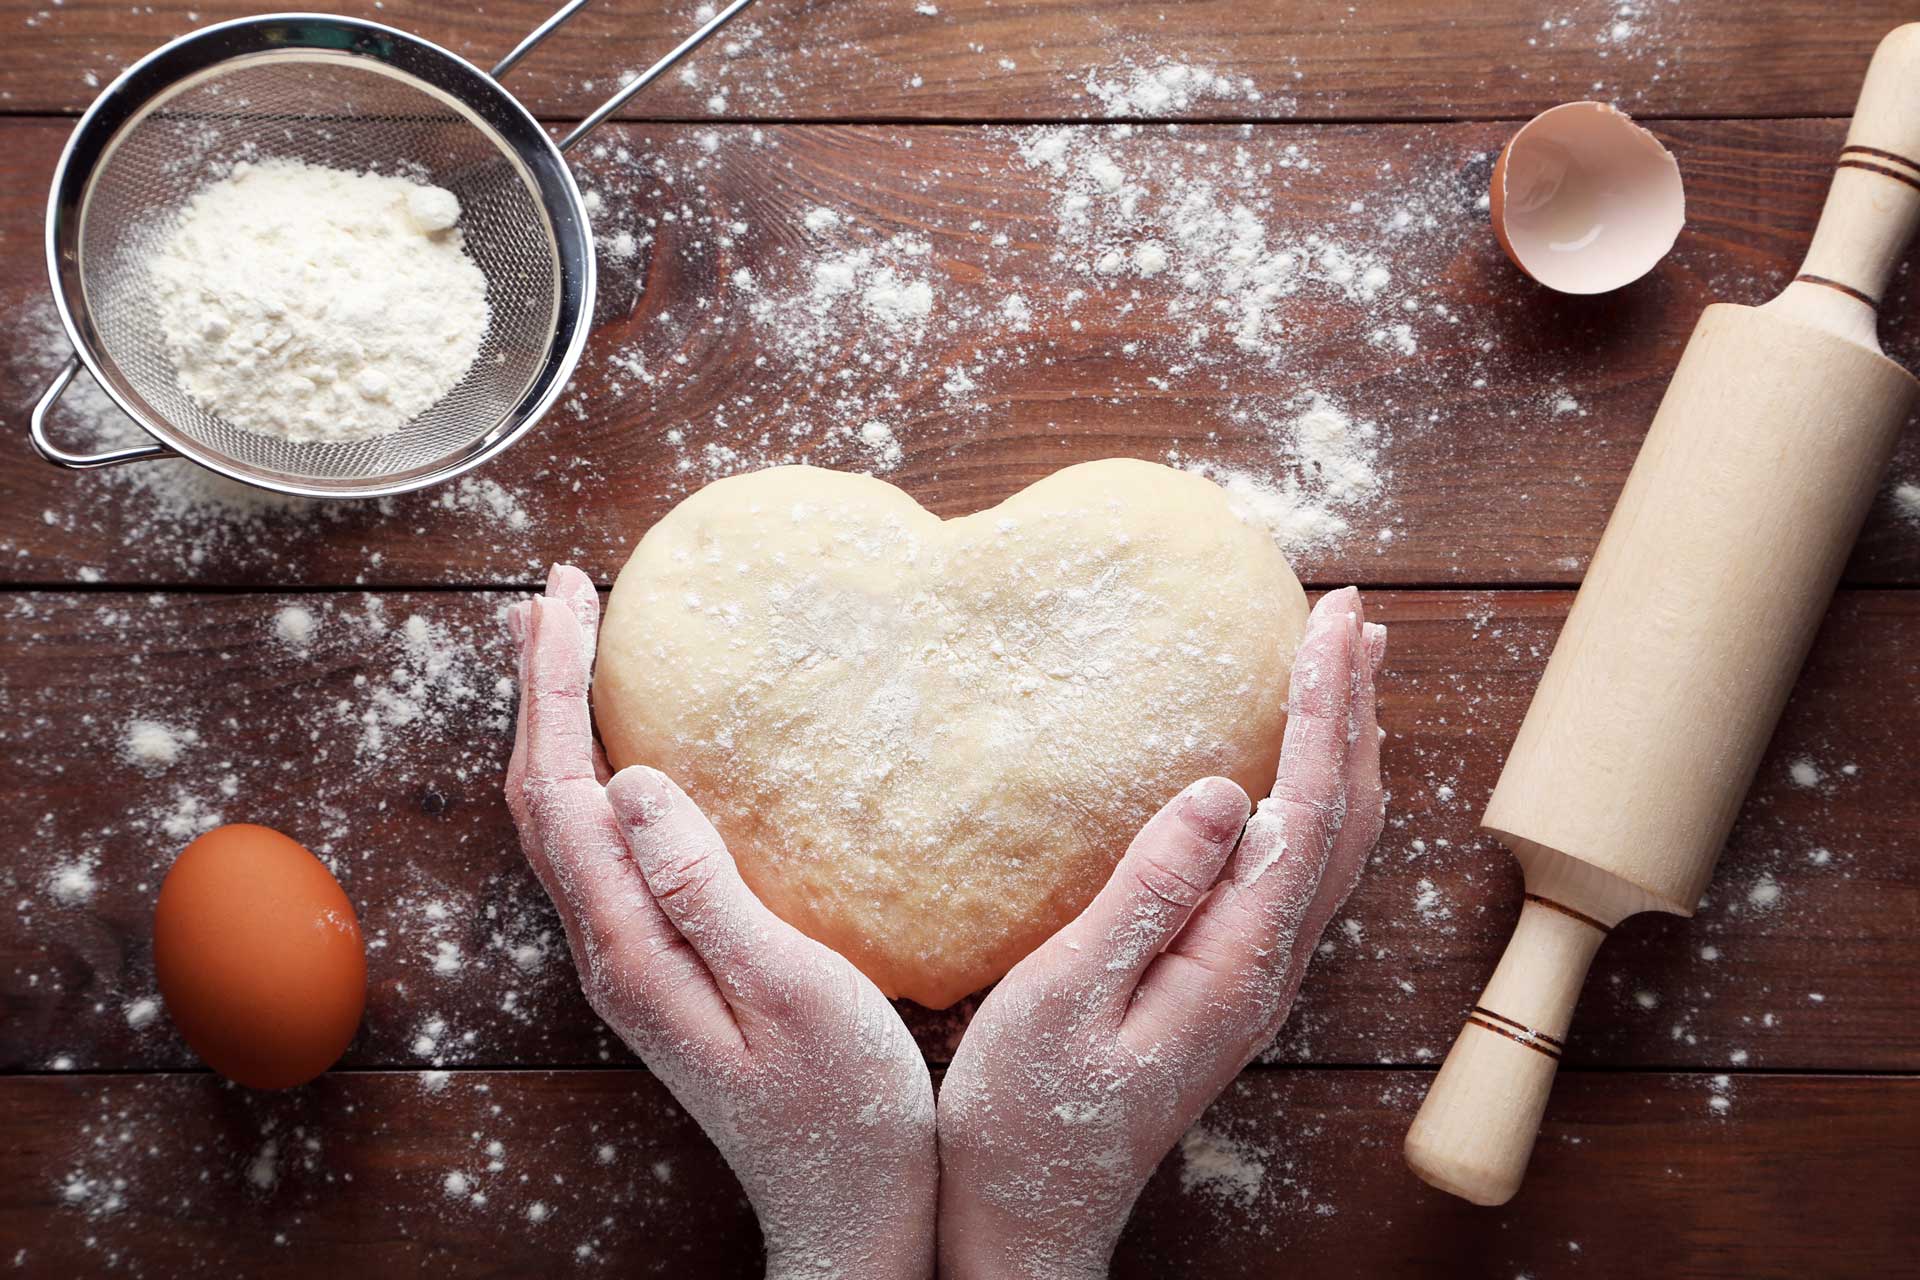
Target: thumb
1168, 869
698, 888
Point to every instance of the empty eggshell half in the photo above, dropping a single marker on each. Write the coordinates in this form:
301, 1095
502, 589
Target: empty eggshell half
1584, 200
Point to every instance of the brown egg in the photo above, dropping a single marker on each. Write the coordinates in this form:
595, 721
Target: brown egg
259, 957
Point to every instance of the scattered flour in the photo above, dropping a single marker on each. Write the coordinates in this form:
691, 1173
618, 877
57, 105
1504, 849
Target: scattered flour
1906, 502
1218, 1165
1236, 262
1720, 1095
1805, 773
72, 884
446, 958
1428, 903
1164, 87
1175, 255
1328, 468
263, 1171
882, 444
884, 283
152, 745
295, 624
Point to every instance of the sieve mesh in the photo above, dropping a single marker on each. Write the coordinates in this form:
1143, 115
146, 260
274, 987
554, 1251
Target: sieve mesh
343, 111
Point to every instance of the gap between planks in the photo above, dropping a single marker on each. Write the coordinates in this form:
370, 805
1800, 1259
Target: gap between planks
1025, 122
938, 1069
532, 584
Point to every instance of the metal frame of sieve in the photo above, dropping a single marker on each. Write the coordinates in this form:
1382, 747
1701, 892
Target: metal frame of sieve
347, 94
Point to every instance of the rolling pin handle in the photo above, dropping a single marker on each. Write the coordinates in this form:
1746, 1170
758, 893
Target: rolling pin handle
1475, 1131
1873, 208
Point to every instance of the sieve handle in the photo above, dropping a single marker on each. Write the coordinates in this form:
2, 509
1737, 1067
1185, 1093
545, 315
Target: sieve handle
53, 453
633, 86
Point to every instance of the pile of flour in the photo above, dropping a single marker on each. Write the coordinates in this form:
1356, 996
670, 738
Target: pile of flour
316, 304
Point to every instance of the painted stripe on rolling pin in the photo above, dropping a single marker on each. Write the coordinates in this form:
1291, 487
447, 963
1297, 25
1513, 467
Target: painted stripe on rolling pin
1562, 907
1849, 290
1876, 152
1531, 1039
1848, 162
1553, 1042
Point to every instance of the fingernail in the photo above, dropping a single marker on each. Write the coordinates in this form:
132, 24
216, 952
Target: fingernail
641, 795
1216, 808
1339, 602
1376, 636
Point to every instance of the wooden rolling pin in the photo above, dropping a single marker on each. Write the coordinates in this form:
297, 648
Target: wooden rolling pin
1688, 632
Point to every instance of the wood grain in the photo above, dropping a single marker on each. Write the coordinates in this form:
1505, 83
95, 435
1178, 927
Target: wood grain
349, 1175
382, 740
1505, 436
981, 60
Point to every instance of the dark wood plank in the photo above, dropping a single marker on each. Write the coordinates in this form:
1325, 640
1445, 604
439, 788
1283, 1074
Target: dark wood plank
1504, 436
976, 59
467, 966
1708, 1192
176, 1175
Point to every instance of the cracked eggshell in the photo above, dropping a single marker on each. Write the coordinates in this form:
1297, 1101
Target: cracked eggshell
1584, 200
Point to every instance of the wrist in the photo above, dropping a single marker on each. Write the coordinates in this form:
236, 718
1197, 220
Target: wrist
898, 1248
876, 1225
978, 1241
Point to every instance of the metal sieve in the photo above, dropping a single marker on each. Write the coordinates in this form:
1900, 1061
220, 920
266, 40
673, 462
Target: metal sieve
345, 94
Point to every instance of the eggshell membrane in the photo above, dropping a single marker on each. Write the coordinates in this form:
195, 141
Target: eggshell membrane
259, 957
1584, 200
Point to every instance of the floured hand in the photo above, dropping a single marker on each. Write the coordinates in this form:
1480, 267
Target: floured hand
794, 1064
1091, 1058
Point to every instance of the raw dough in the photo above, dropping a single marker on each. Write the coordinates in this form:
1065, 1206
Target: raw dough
927, 743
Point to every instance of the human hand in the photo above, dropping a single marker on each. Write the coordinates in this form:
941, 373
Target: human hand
1088, 1061
791, 1060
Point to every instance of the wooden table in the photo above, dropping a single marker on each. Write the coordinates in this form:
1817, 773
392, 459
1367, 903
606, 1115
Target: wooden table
1742, 1096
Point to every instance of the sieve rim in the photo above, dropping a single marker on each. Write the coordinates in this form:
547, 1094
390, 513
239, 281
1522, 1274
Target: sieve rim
124, 102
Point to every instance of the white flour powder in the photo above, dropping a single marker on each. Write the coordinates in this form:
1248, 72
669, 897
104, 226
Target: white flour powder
317, 304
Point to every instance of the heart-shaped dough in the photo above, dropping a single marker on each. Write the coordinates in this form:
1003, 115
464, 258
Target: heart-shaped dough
927, 743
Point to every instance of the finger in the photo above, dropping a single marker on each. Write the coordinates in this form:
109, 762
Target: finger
551, 790
1232, 962
1238, 950
575, 589
1164, 875
558, 722
755, 957
1365, 812
637, 970
1319, 728
517, 623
